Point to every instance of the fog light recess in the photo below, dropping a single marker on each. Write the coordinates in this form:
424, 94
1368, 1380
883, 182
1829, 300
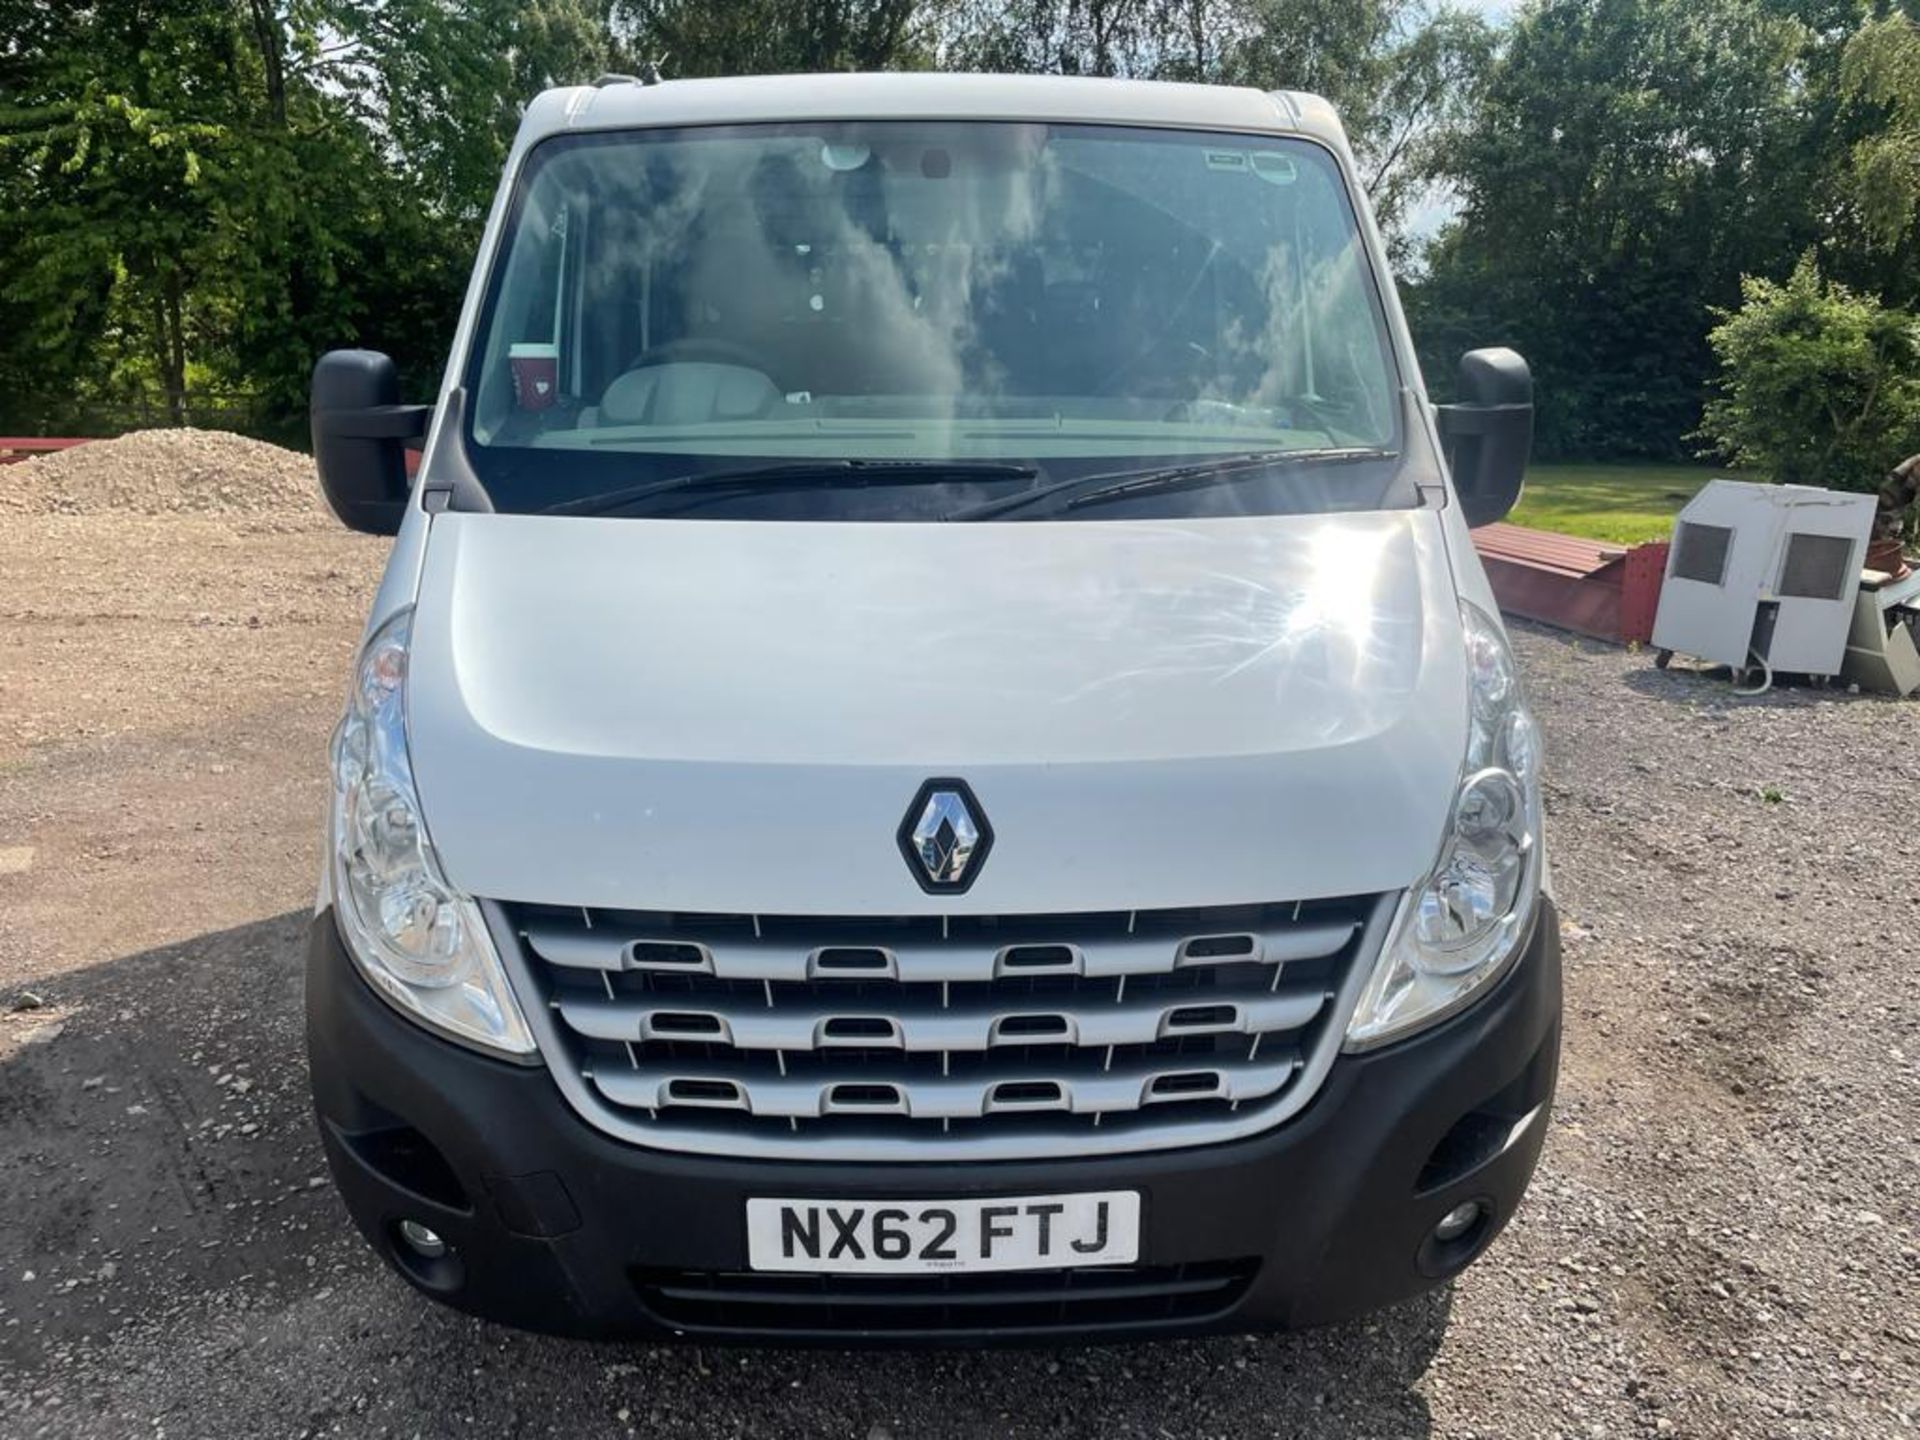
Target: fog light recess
1457, 1222
424, 1242
425, 1256
1456, 1238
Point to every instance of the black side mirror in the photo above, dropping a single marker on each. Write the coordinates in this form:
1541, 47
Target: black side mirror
360, 432
1488, 433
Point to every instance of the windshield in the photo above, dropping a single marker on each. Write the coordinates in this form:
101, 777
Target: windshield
1076, 299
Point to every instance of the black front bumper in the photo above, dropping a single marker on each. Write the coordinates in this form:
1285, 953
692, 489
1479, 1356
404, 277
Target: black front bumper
553, 1226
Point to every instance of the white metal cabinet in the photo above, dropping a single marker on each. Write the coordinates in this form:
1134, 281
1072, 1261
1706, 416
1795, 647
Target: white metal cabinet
1764, 572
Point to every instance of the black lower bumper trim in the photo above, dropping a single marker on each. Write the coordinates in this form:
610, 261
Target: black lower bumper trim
552, 1225
854, 1306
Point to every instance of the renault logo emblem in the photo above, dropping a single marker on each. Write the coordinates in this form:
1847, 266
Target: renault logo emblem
945, 836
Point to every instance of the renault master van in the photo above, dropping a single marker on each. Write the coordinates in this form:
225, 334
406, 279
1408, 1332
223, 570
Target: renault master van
933, 761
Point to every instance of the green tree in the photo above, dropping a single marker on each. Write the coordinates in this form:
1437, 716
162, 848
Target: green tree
1881, 69
1403, 74
1629, 162
201, 193
763, 37
108, 188
443, 84
206, 193
1818, 385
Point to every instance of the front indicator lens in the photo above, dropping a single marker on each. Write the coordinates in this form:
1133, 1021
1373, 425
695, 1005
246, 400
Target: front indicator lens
1457, 929
419, 942
1520, 747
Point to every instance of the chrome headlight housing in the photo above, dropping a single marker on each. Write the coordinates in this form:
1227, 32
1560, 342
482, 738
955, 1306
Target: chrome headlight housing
419, 942
1460, 927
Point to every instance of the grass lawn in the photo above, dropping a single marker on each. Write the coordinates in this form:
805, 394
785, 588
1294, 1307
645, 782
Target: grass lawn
1620, 504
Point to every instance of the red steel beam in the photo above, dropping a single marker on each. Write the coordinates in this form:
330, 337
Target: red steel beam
1607, 591
15, 448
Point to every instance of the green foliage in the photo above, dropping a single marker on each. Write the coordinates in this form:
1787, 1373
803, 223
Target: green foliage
205, 194
444, 82
1403, 76
107, 189
1881, 68
759, 37
1819, 385
1630, 160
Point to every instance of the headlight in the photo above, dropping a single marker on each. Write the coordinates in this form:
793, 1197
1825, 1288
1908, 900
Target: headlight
418, 941
1457, 930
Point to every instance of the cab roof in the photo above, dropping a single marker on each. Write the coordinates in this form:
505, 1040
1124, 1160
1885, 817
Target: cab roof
621, 103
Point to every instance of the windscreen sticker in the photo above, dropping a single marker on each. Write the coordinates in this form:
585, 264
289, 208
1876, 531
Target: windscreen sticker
1270, 165
1273, 167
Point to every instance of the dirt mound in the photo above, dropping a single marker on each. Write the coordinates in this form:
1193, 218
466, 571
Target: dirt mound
166, 472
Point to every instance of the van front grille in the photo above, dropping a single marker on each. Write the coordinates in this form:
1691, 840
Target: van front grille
928, 1037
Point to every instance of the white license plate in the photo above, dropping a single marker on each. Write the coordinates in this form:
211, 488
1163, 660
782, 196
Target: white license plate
918, 1237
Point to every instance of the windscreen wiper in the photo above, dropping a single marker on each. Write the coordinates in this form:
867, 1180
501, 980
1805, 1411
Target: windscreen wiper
828, 474
1080, 490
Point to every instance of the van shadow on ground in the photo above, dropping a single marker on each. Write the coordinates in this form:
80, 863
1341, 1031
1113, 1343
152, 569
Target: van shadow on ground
164, 1206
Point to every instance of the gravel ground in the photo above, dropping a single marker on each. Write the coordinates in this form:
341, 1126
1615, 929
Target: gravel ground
1721, 1240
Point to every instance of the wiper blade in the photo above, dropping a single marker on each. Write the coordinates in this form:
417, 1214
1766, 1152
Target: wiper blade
1080, 490
828, 474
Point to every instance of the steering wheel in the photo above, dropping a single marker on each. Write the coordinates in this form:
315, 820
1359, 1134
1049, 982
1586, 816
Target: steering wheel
713, 351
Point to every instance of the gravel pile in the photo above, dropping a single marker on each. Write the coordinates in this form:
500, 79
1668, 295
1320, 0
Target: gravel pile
166, 472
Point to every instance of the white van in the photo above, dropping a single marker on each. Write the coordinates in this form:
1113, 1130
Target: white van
933, 761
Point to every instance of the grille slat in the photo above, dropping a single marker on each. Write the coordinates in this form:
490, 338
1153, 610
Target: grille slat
923, 1026
1123, 1088
769, 959
930, 1037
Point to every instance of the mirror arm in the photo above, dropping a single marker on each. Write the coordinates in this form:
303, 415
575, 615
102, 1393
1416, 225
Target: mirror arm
1472, 419
381, 422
